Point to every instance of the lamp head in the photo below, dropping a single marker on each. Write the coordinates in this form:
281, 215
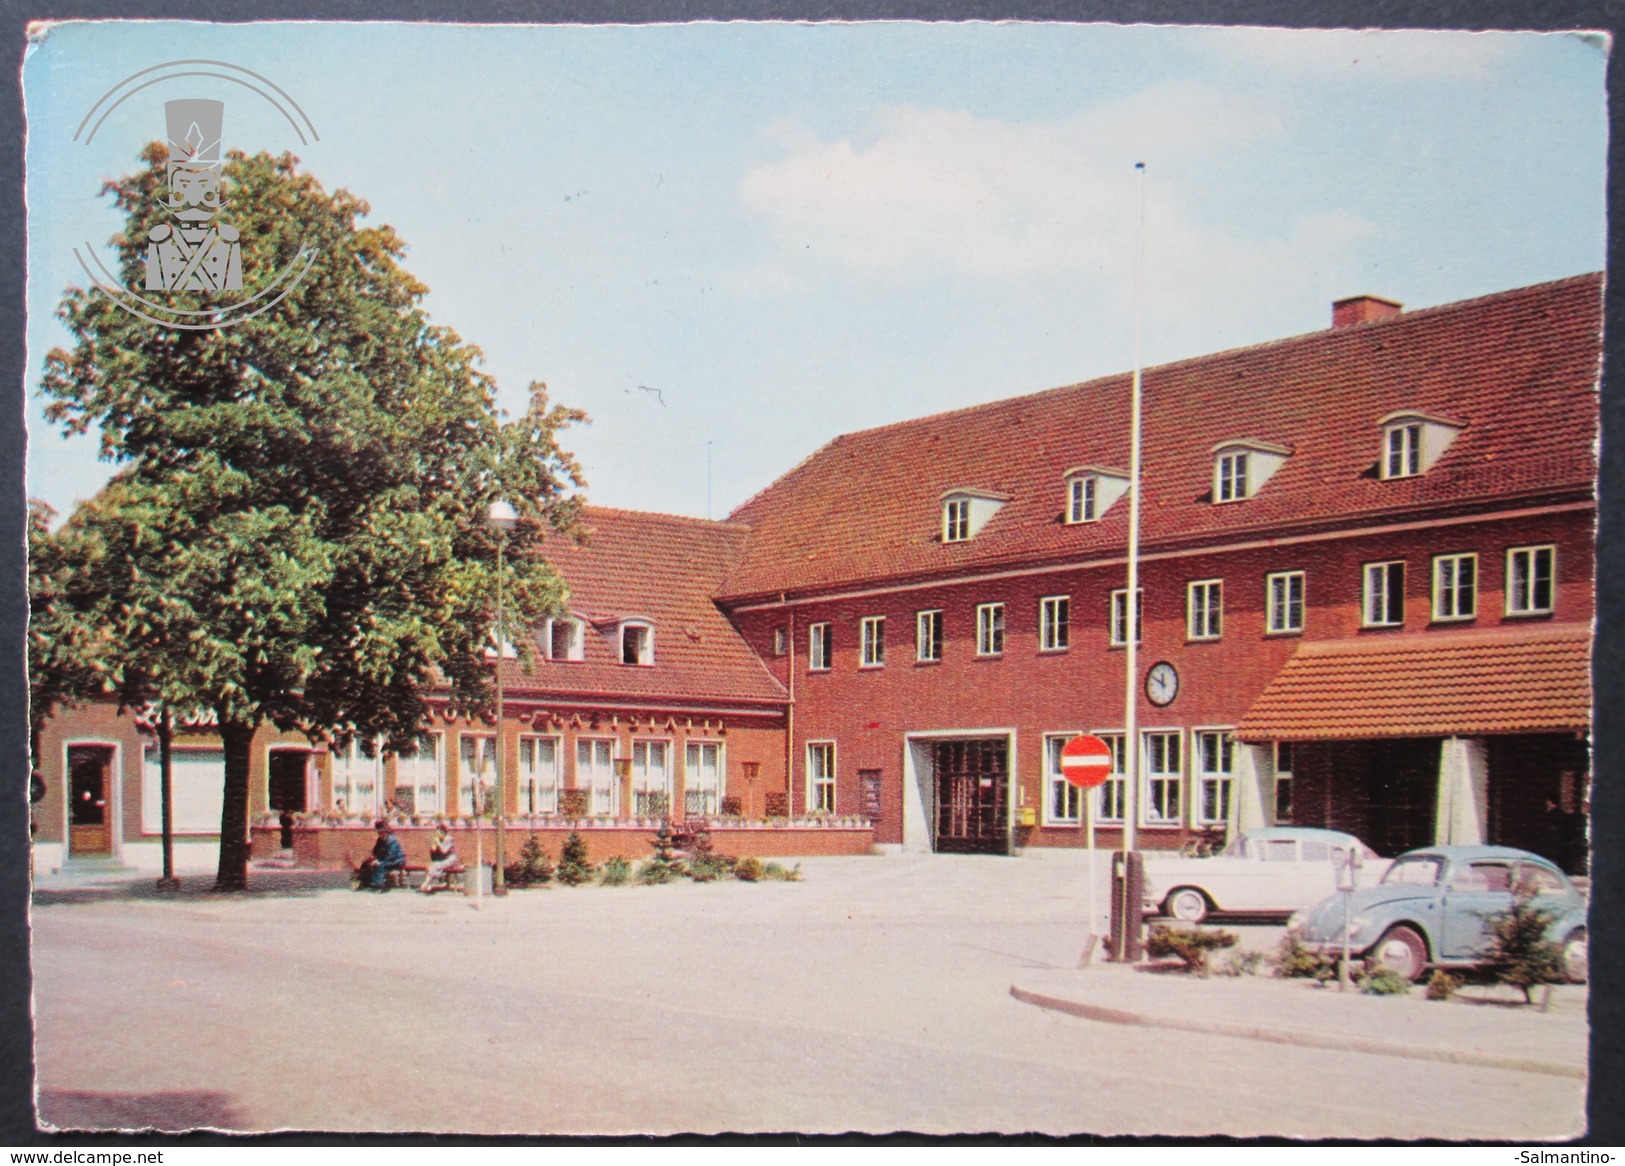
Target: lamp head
502, 516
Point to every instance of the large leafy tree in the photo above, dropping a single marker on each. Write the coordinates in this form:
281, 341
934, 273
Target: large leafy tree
297, 529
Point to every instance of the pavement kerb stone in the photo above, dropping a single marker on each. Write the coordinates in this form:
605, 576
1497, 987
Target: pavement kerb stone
1299, 1037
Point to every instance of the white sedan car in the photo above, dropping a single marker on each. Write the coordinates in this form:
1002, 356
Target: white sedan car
1270, 871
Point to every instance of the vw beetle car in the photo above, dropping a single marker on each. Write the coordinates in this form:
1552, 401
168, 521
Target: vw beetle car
1434, 907
1273, 870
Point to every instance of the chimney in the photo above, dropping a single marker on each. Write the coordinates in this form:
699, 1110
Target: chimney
1363, 310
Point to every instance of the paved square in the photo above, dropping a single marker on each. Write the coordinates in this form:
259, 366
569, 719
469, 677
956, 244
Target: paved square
872, 996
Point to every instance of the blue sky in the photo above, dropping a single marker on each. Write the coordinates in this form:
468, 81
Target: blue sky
794, 231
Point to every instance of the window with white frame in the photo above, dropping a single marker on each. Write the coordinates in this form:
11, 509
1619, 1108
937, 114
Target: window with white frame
637, 643
1455, 587
1204, 606
565, 640
1402, 450
1283, 781
872, 641
539, 777
821, 777
1164, 777
1384, 600
1065, 801
357, 780
1119, 616
990, 629
1531, 572
651, 778
1283, 602
1111, 796
956, 520
818, 647
1083, 498
196, 790
423, 771
780, 639
928, 636
1230, 477
1215, 775
477, 764
595, 773
702, 777
1054, 623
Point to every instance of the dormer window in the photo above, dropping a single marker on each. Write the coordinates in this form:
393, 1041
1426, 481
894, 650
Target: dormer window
1241, 467
1413, 441
1091, 491
563, 639
966, 510
637, 642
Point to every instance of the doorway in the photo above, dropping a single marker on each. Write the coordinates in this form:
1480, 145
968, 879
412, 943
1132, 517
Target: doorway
972, 780
90, 818
288, 786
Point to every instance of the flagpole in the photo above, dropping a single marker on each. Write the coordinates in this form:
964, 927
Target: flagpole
1131, 601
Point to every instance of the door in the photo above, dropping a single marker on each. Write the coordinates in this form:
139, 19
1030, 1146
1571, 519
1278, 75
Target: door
287, 780
90, 774
972, 786
1476, 892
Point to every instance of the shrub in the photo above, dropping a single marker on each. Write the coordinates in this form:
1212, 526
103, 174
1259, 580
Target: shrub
1242, 963
705, 865
773, 872
531, 869
574, 869
1294, 961
1190, 944
732, 808
1442, 985
1377, 980
1519, 952
617, 872
749, 869
654, 872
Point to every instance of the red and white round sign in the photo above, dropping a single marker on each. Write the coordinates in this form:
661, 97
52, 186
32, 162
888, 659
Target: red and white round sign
1086, 761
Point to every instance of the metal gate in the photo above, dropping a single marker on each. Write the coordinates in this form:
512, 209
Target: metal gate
973, 782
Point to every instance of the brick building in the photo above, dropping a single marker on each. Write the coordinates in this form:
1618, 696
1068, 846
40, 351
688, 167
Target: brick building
1366, 580
1366, 577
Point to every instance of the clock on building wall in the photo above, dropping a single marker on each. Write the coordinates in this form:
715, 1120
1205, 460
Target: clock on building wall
1162, 684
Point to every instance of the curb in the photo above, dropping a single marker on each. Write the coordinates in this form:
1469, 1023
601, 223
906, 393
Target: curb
1299, 1037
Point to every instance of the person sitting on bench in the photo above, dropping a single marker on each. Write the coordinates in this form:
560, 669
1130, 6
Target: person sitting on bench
387, 857
442, 859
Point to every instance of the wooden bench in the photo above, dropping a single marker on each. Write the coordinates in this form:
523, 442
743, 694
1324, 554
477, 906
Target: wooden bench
400, 878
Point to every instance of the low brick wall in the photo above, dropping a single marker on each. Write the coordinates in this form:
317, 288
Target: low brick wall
338, 847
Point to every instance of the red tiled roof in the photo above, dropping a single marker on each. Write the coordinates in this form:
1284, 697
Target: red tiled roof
1527, 680
664, 569
1519, 368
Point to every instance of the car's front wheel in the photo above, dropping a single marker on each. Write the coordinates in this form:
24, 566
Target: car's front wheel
1402, 951
1187, 904
1576, 957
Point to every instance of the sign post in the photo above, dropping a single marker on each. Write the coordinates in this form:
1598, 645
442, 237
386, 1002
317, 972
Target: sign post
1086, 762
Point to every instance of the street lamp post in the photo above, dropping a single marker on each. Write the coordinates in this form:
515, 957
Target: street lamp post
504, 518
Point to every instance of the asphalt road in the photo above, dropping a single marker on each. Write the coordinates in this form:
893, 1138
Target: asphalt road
873, 996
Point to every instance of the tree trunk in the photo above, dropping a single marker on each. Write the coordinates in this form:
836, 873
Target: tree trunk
233, 871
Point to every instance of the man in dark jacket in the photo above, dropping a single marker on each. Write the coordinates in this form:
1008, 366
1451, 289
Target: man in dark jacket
387, 856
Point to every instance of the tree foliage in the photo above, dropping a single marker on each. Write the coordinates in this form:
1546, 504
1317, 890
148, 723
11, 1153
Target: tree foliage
297, 529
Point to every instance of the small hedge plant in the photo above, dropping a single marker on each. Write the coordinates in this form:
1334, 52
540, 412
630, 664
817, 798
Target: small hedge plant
617, 872
1192, 945
574, 869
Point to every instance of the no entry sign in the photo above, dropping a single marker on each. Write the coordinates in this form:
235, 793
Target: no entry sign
1086, 761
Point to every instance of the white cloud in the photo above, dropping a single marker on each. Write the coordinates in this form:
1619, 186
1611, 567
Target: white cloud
994, 197
1365, 54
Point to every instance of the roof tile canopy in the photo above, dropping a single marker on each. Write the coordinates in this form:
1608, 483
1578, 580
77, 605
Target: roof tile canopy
663, 569
1458, 684
1519, 369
